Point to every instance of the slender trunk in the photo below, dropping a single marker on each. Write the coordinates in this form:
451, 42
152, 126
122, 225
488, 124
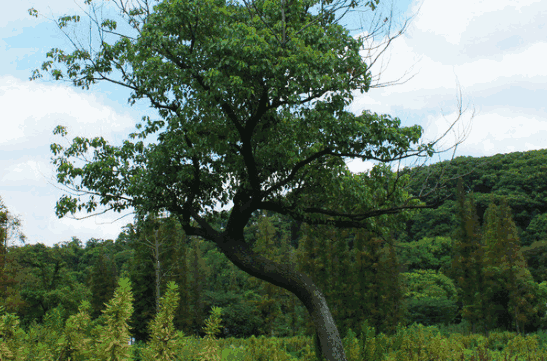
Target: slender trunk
286, 276
157, 265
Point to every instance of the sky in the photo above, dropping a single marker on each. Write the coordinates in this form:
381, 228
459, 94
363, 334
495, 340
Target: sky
492, 52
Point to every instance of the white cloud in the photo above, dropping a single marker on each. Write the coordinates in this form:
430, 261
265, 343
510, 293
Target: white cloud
31, 111
35, 109
467, 20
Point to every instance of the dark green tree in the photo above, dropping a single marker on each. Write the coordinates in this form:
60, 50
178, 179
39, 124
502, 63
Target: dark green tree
103, 282
142, 275
466, 268
197, 286
520, 281
495, 293
509, 282
10, 226
253, 103
392, 296
179, 275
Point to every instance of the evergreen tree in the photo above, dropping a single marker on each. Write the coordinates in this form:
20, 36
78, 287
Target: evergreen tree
392, 297
102, 283
197, 286
519, 277
142, 276
182, 317
509, 282
340, 268
496, 297
466, 265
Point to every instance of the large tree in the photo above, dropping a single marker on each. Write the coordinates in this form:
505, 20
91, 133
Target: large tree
252, 99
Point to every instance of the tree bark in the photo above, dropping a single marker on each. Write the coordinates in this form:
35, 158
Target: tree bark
286, 276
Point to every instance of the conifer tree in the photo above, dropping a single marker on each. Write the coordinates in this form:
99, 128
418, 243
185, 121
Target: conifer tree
466, 266
142, 276
519, 277
103, 282
495, 294
391, 299
340, 262
367, 271
179, 260
508, 281
197, 285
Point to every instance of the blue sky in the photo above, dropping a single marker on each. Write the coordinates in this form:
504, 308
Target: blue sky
494, 49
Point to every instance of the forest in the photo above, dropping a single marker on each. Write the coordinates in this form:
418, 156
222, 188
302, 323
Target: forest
421, 271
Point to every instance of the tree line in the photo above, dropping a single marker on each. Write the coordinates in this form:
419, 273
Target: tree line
477, 271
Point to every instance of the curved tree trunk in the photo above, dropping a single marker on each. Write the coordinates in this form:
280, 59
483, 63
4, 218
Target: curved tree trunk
285, 275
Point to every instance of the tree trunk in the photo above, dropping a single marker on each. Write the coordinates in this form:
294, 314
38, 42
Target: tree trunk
285, 276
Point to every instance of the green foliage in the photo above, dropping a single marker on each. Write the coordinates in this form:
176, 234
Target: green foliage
233, 86
536, 230
428, 284
112, 335
467, 265
517, 175
536, 258
431, 311
102, 283
427, 253
163, 336
507, 279
75, 344
46, 281
431, 297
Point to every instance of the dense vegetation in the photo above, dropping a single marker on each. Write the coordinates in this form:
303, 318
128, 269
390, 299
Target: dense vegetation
422, 272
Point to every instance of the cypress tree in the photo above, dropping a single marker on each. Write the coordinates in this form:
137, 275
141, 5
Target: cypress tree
393, 293
518, 275
103, 282
182, 316
509, 282
197, 286
467, 260
496, 296
367, 273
